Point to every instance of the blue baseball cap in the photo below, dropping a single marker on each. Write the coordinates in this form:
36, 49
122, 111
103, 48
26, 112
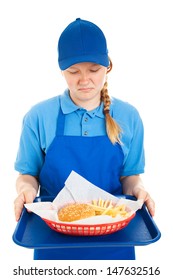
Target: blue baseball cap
82, 41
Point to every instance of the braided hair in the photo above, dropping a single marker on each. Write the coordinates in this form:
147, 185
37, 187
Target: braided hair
112, 128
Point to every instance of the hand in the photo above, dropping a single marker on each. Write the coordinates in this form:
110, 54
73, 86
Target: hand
133, 185
141, 193
26, 196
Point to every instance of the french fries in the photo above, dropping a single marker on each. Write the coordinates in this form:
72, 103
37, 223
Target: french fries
107, 207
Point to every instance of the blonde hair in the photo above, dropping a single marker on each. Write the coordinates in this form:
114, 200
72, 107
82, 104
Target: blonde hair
112, 128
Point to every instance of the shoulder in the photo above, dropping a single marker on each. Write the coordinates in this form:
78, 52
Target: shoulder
43, 110
118, 104
46, 105
127, 116
123, 110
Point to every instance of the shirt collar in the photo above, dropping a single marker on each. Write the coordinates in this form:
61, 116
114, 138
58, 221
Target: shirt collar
68, 106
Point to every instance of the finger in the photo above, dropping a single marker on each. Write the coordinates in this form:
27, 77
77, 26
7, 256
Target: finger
17, 209
150, 204
19, 202
18, 206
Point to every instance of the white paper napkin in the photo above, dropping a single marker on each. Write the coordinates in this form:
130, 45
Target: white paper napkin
78, 189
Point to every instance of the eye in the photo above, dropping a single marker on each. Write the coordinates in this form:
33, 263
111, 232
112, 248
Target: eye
94, 70
73, 72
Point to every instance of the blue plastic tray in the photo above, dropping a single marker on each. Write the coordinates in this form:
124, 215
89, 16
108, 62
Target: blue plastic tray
32, 232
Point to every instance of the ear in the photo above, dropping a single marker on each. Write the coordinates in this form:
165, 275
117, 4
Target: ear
108, 69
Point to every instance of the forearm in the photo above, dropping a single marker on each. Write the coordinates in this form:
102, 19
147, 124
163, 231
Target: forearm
131, 183
27, 182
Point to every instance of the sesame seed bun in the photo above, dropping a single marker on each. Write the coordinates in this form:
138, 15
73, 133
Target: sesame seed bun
75, 211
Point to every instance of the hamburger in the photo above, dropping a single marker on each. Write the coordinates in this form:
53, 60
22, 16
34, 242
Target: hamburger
75, 211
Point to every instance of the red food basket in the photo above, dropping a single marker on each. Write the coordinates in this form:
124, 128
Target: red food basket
88, 230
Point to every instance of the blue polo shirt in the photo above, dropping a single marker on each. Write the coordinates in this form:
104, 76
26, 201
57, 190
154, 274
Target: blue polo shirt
40, 123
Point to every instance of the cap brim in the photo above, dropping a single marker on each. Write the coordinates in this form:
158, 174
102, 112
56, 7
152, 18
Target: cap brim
98, 59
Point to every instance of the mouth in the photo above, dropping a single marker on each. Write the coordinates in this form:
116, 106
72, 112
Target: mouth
85, 89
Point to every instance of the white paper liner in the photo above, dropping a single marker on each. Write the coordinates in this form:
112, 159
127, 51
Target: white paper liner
78, 189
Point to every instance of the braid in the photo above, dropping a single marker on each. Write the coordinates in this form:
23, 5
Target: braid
112, 128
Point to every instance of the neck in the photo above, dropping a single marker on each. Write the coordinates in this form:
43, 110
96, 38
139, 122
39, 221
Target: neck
88, 104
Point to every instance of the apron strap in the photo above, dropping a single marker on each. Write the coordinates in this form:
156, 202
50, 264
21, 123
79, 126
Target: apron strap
60, 123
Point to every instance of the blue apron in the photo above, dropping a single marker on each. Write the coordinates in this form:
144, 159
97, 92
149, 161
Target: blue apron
98, 161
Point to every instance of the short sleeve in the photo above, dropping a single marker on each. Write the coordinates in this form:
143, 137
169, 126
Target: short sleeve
30, 156
133, 145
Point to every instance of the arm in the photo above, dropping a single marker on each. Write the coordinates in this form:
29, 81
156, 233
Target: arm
132, 185
27, 187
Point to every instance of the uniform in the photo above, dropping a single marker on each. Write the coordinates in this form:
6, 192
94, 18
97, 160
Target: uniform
59, 136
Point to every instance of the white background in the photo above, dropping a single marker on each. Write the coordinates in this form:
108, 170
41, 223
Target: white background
139, 36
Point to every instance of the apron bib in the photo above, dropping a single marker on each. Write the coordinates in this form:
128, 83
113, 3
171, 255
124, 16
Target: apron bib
98, 161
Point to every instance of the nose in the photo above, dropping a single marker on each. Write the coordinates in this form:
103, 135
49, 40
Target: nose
84, 78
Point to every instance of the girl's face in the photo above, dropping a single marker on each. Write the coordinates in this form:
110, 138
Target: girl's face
85, 81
